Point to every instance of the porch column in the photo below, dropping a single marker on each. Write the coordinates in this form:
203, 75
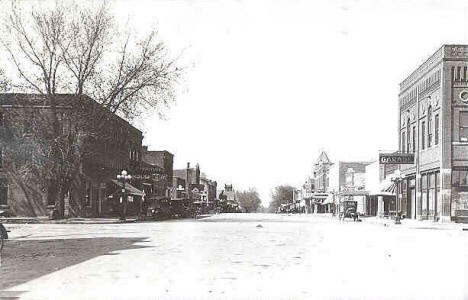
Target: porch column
380, 206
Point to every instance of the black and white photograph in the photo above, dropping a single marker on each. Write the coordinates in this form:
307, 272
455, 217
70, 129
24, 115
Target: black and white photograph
233, 150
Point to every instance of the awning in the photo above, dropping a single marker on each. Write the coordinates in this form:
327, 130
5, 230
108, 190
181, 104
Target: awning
129, 189
388, 186
390, 189
385, 188
320, 198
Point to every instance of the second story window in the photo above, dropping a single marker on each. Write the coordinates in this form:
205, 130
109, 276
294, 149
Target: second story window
408, 136
403, 142
27, 126
436, 129
464, 126
429, 127
2, 119
414, 138
423, 135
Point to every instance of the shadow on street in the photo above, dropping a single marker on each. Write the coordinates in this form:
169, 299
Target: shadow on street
25, 260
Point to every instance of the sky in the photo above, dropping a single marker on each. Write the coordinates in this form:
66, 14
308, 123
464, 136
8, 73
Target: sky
269, 84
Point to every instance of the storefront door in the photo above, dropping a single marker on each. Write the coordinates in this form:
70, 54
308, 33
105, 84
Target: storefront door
411, 203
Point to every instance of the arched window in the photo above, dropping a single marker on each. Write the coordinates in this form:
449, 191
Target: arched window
429, 126
408, 135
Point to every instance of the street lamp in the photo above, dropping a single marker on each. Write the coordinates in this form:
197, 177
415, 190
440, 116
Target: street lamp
123, 177
397, 178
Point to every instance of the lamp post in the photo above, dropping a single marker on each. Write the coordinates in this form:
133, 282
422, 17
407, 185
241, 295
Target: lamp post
397, 178
123, 177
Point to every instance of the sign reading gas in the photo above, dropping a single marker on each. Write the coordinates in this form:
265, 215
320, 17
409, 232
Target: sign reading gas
396, 158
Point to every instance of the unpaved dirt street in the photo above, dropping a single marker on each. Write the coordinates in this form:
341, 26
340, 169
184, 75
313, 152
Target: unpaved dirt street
234, 256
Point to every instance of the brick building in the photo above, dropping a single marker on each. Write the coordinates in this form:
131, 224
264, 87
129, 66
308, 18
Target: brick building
94, 192
352, 183
190, 177
433, 124
210, 188
321, 198
157, 172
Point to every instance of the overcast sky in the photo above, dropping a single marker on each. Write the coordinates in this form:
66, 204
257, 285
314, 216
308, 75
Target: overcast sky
271, 83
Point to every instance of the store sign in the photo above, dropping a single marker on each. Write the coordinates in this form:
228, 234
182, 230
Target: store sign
155, 177
396, 159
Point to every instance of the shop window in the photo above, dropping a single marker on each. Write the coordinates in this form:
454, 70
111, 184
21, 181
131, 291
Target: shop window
464, 126
424, 206
437, 191
88, 195
95, 195
423, 135
431, 193
1, 159
436, 128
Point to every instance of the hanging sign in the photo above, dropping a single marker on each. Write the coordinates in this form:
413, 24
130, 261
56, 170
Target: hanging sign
396, 158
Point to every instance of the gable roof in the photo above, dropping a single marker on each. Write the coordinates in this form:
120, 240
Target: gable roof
323, 158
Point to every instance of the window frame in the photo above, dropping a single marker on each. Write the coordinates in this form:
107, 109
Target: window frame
463, 127
429, 127
408, 136
423, 135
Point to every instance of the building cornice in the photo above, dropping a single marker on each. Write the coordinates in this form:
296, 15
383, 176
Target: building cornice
446, 52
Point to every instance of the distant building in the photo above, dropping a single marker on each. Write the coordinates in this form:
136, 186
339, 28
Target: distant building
352, 183
381, 200
210, 187
322, 198
156, 173
191, 177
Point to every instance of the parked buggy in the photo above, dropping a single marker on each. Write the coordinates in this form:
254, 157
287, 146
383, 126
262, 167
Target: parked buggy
348, 209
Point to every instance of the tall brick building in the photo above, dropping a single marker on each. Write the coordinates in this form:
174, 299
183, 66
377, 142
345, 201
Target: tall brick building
433, 124
94, 192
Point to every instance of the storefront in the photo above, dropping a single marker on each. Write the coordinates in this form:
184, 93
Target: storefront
113, 202
460, 194
322, 203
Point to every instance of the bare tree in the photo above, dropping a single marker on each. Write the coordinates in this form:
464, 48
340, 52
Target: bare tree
4, 83
80, 51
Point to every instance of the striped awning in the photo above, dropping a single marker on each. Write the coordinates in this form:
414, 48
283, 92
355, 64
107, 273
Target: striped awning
129, 189
390, 189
